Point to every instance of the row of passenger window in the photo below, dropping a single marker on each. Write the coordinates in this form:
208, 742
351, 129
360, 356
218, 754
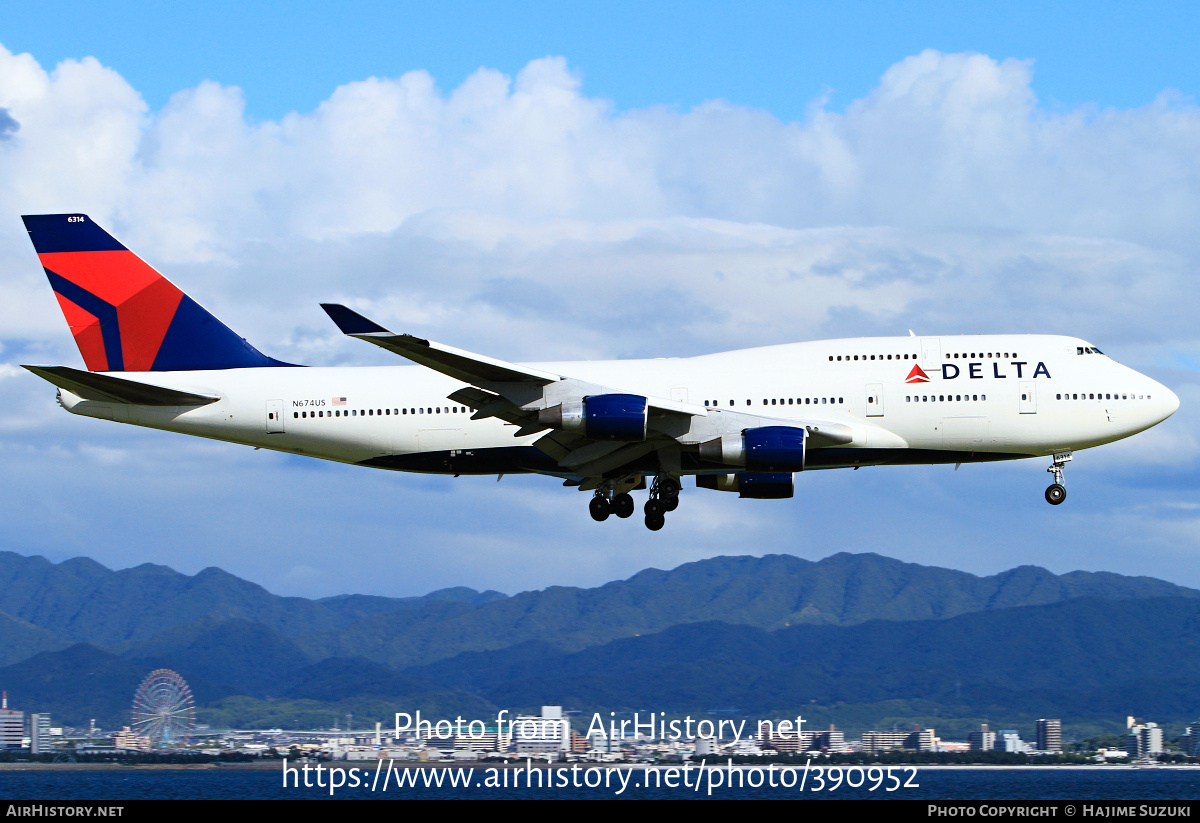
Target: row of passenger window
1099, 396
785, 401
379, 412
943, 398
949, 356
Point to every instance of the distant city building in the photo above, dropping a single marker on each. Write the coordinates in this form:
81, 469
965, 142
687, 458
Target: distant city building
874, 742
600, 742
130, 740
39, 733
1049, 736
1145, 739
1191, 740
982, 740
487, 740
547, 733
12, 726
921, 740
786, 742
830, 741
1009, 740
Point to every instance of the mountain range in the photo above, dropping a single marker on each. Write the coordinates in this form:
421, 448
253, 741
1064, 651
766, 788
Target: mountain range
752, 634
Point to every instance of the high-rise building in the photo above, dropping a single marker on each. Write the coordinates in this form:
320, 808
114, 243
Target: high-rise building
1049, 736
39, 733
1191, 741
1145, 739
12, 725
982, 740
1009, 740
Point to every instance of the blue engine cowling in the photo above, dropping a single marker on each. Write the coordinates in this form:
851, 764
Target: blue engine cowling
615, 417
756, 485
601, 417
775, 449
765, 449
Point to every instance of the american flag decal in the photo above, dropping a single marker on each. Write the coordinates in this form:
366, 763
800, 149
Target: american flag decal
339, 401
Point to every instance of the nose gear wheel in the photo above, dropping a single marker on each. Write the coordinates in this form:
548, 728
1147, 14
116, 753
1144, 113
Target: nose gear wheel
1057, 492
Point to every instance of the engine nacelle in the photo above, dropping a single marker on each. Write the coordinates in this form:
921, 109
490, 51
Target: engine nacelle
601, 417
756, 485
765, 449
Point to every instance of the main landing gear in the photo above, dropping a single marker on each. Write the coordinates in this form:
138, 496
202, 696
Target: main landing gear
1057, 492
664, 497
604, 503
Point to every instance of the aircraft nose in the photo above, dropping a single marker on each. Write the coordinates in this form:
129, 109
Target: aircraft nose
1170, 402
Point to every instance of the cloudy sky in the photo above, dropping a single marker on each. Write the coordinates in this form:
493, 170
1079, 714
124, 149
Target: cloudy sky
543, 182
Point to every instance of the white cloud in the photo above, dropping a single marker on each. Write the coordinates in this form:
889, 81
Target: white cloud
519, 217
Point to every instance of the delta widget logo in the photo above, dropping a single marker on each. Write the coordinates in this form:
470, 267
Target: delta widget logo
917, 375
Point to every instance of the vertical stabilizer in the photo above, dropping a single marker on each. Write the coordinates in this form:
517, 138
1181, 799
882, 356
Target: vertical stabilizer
124, 315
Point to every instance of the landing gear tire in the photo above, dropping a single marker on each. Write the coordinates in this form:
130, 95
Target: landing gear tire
669, 487
654, 522
622, 505
669, 504
654, 508
1057, 492
599, 509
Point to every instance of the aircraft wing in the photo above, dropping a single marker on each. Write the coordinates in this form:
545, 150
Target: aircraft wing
476, 369
105, 388
456, 363
516, 394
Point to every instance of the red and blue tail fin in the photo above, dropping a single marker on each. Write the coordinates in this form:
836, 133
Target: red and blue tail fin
125, 316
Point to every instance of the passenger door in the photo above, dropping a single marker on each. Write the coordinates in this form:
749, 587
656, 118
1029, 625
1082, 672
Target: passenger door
875, 400
274, 417
1028, 402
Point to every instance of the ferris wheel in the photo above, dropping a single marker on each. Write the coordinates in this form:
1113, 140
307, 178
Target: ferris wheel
163, 709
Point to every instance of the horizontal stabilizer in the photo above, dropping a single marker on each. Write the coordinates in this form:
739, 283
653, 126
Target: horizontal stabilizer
105, 388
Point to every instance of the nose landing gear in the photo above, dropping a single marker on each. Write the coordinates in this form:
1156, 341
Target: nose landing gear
1057, 492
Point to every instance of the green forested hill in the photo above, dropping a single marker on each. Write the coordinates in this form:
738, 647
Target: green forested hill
750, 632
1083, 655
775, 591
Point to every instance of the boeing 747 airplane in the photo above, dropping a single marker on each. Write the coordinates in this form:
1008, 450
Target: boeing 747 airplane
740, 421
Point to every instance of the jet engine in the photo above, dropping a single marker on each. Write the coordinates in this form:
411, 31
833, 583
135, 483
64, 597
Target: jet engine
764, 449
600, 417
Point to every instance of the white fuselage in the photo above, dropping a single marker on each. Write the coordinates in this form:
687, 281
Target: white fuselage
983, 397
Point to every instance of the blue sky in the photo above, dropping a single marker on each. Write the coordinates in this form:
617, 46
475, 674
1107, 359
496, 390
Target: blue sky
541, 181
777, 56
